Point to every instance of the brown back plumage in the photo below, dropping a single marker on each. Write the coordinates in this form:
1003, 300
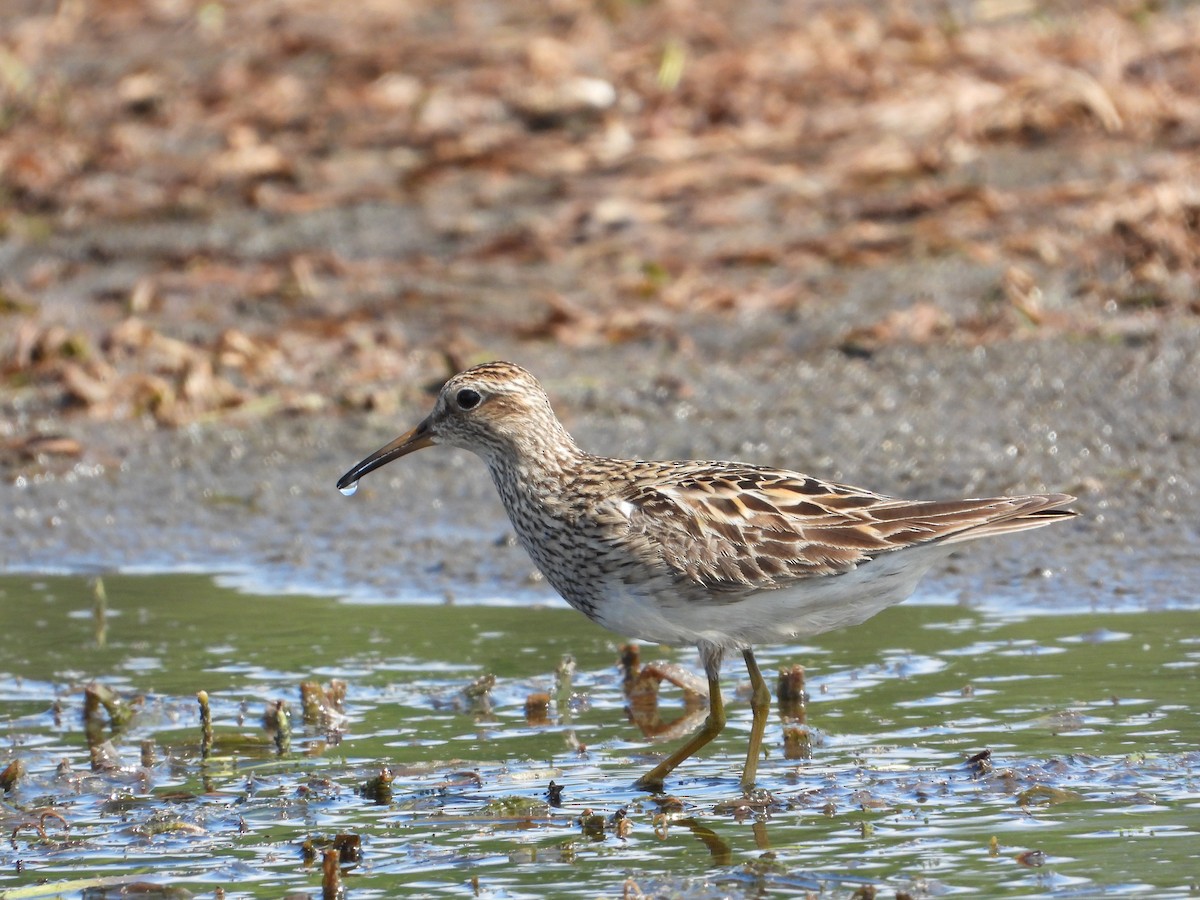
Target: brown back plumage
731, 527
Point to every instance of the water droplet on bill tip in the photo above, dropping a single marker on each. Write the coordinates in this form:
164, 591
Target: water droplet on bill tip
349, 489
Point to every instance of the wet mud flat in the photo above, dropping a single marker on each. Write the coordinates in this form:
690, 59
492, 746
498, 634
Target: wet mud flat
1113, 423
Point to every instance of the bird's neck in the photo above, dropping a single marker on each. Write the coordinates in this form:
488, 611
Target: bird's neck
539, 466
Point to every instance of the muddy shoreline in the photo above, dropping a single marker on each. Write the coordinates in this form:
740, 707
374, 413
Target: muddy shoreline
1114, 423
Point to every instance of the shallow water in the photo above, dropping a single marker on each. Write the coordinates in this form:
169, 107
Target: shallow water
1093, 785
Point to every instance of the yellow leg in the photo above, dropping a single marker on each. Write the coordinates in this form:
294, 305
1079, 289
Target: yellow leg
653, 780
760, 705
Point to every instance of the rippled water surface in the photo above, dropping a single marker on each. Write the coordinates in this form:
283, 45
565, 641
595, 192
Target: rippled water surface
1091, 720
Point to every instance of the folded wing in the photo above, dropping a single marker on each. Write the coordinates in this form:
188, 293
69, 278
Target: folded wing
737, 527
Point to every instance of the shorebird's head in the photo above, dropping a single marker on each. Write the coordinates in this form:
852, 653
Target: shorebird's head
494, 409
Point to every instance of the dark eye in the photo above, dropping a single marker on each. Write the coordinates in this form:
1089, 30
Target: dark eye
467, 398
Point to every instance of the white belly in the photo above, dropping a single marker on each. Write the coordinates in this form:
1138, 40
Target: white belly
776, 616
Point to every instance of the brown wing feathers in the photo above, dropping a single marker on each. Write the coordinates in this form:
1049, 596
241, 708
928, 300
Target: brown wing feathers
758, 527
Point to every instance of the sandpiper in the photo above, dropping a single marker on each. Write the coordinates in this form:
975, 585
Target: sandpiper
720, 555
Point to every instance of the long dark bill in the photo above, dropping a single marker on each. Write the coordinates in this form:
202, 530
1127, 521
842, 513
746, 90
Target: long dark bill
407, 443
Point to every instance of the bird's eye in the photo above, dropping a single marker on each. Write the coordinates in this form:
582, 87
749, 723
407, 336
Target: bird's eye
467, 398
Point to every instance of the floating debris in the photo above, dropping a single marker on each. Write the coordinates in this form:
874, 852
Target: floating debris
1045, 795
537, 708
99, 611
520, 809
980, 764
97, 696
800, 739
104, 757
790, 694
621, 824
277, 720
206, 729
347, 846
592, 824
13, 771
481, 688
331, 877
460, 779
323, 706
756, 801
167, 823
379, 788
1035, 859
475, 697
669, 804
